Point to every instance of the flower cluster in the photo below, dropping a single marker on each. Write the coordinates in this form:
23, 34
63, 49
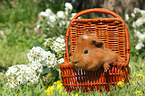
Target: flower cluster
139, 92
59, 15
57, 45
57, 23
139, 75
120, 83
138, 17
50, 58
40, 55
23, 74
38, 58
57, 86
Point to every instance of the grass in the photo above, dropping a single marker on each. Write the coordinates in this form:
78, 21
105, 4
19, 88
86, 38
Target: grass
18, 40
17, 32
35, 90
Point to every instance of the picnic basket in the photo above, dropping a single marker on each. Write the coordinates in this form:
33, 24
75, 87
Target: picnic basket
113, 32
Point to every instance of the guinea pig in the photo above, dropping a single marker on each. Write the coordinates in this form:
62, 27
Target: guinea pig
90, 54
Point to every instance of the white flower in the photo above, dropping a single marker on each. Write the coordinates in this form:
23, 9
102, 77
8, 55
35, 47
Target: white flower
37, 54
60, 47
20, 78
126, 17
58, 39
48, 30
35, 65
61, 23
36, 79
38, 26
53, 56
139, 46
136, 10
43, 14
48, 22
49, 12
137, 33
56, 49
47, 40
133, 15
31, 80
142, 37
29, 70
60, 14
29, 54
22, 66
8, 73
139, 22
48, 53
45, 43
62, 40
60, 61
28, 76
12, 69
56, 43
17, 73
61, 36
142, 13
22, 70
12, 78
40, 70
51, 62
63, 49
53, 38
52, 18
68, 6
72, 15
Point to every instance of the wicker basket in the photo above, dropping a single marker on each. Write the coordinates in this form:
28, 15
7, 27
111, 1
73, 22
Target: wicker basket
113, 32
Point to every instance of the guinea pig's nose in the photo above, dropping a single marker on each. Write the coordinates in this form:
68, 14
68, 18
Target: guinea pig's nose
75, 63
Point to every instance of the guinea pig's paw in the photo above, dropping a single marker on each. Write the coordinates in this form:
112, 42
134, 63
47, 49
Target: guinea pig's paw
106, 67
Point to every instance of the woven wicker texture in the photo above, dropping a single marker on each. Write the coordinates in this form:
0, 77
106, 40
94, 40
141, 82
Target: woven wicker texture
113, 32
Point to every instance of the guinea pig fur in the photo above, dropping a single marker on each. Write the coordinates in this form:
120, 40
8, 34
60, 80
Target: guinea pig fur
90, 54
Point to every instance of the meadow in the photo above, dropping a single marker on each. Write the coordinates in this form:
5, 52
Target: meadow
25, 25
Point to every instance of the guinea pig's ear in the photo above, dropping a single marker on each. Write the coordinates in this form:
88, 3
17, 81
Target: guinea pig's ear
98, 44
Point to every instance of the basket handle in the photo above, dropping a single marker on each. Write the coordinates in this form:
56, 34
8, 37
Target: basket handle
98, 10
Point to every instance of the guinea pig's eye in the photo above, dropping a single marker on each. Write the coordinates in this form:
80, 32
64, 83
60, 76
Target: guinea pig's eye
86, 52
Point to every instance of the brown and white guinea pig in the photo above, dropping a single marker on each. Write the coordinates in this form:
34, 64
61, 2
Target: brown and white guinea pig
90, 54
